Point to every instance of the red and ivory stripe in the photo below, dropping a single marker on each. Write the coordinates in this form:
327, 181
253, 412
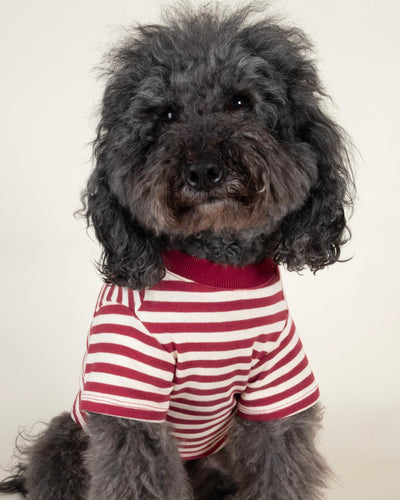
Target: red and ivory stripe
192, 354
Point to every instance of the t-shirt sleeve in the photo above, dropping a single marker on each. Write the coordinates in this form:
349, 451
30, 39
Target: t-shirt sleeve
127, 372
281, 382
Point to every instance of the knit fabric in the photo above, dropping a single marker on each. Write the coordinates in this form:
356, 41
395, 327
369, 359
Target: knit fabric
206, 342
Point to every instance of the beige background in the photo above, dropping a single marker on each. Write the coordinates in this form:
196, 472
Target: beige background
348, 315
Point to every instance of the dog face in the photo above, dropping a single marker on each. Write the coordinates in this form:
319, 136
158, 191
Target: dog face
212, 124
212, 161
203, 147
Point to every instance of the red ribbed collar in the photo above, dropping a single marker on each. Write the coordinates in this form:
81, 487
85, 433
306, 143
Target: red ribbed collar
218, 275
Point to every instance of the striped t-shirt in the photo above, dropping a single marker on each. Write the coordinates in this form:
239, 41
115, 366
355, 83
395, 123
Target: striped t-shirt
206, 342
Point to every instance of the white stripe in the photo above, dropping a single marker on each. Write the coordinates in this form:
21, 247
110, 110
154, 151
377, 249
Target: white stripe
219, 337
111, 295
100, 297
211, 296
197, 398
215, 355
212, 385
283, 370
219, 423
277, 389
280, 405
211, 317
119, 320
211, 371
122, 402
203, 420
294, 342
134, 344
123, 361
215, 410
126, 383
198, 446
226, 403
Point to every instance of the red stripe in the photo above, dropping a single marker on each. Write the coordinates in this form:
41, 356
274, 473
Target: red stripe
180, 286
116, 411
193, 413
284, 343
129, 373
211, 307
136, 355
75, 410
239, 387
119, 309
216, 327
110, 293
208, 440
262, 356
101, 296
197, 347
299, 368
167, 285
204, 452
187, 416
222, 346
209, 379
126, 392
197, 426
219, 275
280, 380
202, 442
127, 331
131, 300
290, 356
284, 412
277, 398
214, 363
206, 402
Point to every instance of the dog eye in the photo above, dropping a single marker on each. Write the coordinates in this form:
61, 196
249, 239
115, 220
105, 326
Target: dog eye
169, 115
239, 102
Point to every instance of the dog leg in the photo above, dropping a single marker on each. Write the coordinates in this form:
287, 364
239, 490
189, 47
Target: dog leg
55, 465
211, 477
132, 460
278, 460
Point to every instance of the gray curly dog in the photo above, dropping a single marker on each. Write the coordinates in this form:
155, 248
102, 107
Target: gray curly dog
215, 163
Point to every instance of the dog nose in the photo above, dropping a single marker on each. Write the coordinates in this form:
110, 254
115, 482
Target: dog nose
204, 176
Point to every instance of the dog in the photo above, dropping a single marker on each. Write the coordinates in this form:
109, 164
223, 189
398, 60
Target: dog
215, 162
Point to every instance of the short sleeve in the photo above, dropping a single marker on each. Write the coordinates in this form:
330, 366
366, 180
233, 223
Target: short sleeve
127, 372
281, 382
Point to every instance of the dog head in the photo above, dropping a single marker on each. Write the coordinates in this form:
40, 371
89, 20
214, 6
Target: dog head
212, 130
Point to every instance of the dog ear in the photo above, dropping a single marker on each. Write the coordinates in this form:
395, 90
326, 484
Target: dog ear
314, 234
130, 255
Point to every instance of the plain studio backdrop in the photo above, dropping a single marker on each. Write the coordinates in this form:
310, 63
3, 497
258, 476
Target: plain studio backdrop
348, 315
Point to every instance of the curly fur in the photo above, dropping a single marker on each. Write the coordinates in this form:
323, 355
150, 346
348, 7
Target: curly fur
211, 88
212, 477
285, 161
53, 464
287, 465
130, 459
